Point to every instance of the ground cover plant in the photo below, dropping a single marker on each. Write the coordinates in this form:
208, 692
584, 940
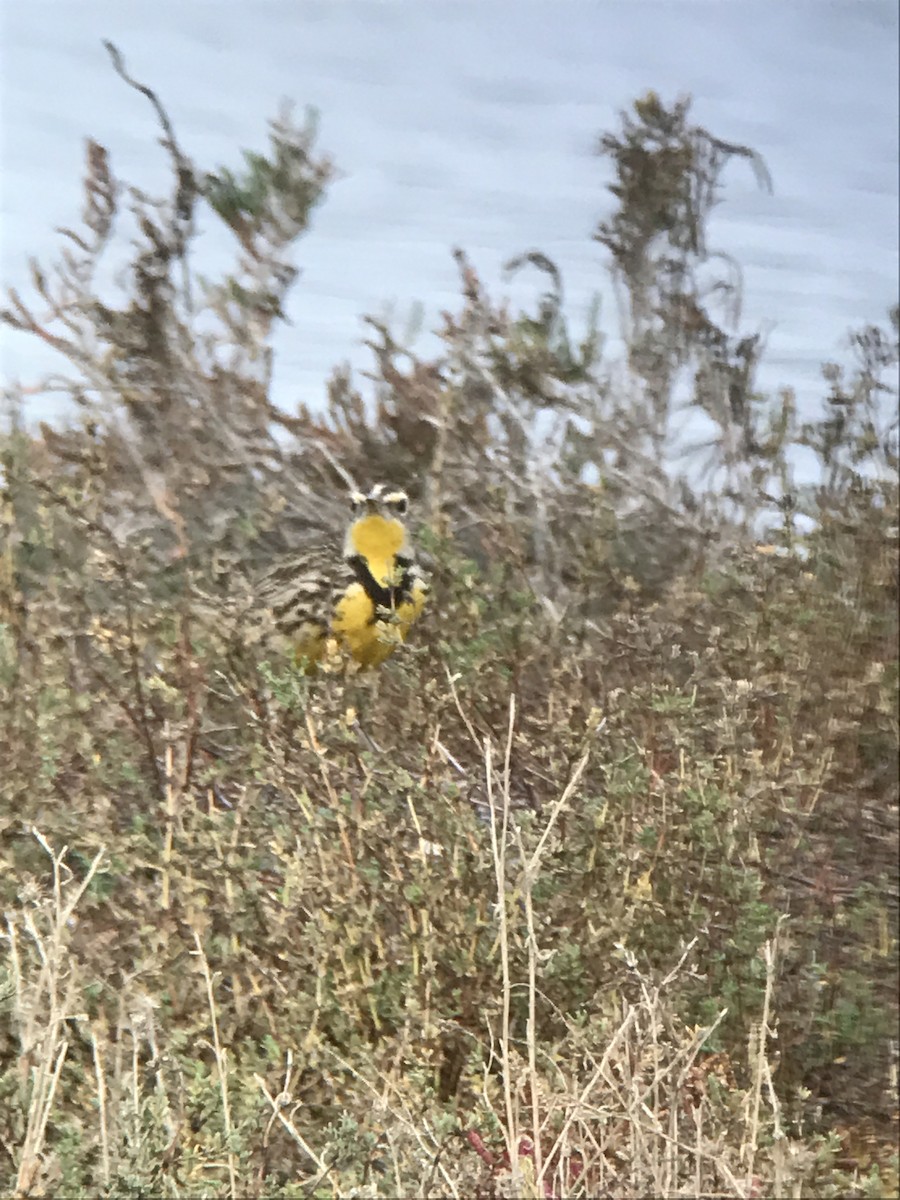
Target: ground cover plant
591, 890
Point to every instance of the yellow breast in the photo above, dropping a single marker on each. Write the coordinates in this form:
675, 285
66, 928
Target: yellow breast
369, 640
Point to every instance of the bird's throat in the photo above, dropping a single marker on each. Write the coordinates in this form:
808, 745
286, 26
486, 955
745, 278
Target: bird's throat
377, 541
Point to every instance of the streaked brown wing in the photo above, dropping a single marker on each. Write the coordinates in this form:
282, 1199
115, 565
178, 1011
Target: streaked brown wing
300, 591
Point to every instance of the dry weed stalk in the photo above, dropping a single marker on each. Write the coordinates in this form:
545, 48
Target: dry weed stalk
645, 1086
45, 995
500, 827
221, 1056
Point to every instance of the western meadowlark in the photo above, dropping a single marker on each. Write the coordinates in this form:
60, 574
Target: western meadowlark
364, 597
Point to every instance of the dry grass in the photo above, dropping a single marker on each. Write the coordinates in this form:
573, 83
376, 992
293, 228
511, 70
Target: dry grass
636, 1108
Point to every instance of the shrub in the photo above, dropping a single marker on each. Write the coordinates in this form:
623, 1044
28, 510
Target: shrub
589, 891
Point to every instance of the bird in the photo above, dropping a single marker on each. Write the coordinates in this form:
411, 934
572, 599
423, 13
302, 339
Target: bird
360, 600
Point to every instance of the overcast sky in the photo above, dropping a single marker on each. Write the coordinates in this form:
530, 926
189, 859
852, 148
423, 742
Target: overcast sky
474, 124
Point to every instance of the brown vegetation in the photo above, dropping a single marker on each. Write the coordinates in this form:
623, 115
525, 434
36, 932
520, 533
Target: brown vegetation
612, 907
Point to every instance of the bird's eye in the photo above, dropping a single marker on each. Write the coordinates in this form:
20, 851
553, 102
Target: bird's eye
399, 504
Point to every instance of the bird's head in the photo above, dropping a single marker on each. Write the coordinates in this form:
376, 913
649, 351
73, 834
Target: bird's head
377, 531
